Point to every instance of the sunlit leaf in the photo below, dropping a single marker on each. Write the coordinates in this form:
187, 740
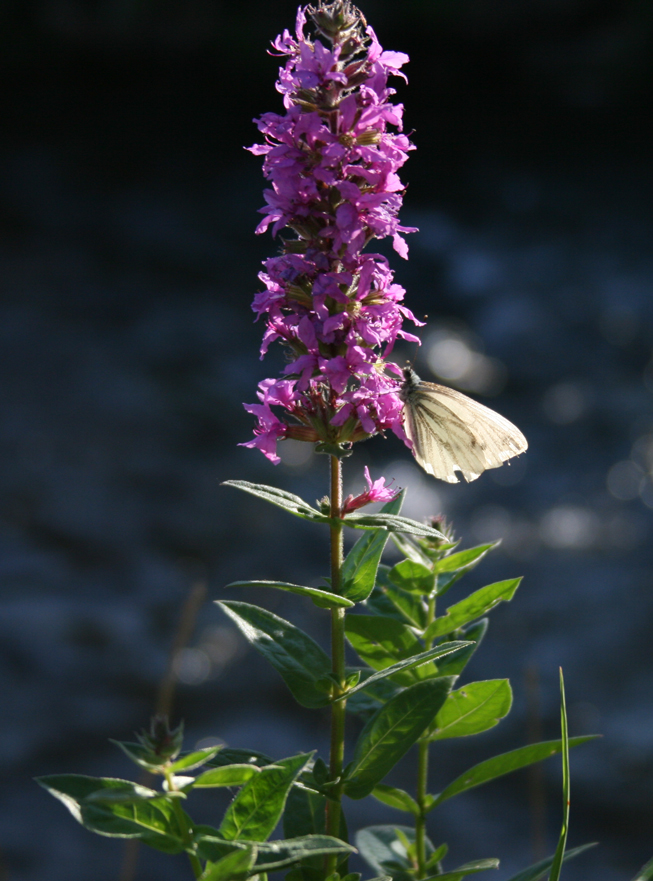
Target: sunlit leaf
505, 764
361, 563
322, 598
279, 497
235, 866
257, 808
392, 523
396, 798
472, 709
89, 800
229, 775
391, 732
298, 658
195, 759
414, 662
472, 607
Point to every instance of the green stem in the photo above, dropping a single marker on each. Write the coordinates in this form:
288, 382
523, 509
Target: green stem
422, 776
184, 828
333, 808
420, 820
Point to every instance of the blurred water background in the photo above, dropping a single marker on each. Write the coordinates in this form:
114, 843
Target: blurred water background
127, 267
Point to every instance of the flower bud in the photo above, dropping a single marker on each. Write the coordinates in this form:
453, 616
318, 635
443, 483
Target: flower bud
164, 744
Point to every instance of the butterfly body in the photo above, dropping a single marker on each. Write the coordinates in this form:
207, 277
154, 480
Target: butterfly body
452, 433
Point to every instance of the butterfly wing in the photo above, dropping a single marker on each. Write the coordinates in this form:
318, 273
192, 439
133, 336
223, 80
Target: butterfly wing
452, 433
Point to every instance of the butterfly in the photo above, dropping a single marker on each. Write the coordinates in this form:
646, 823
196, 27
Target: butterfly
452, 433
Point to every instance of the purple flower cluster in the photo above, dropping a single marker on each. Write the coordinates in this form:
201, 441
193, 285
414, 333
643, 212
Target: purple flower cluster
332, 164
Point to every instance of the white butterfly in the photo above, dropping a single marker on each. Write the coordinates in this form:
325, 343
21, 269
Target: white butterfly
452, 433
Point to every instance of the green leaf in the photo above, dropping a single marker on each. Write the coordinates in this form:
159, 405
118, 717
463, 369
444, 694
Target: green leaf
391, 601
467, 869
234, 756
304, 813
128, 793
236, 866
537, 871
450, 569
322, 598
140, 755
256, 810
472, 709
453, 665
89, 800
412, 577
195, 759
410, 549
384, 849
304, 818
436, 857
504, 764
228, 775
391, 732
282, 499
472, 607
562, 841
210, 846
368, 701
276, 854
293, 654
380, 642
415, 661
392, 523
409, 605
644, 874
378, 603
272, 855
362, 561
396, 798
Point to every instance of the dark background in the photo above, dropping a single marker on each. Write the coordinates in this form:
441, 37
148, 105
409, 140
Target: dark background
127, 267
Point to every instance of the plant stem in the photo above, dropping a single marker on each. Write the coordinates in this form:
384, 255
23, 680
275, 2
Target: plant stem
333, 807
423, 772
420, 820
184, 828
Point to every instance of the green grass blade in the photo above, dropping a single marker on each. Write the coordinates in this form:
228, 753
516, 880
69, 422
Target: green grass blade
562, 842
645, 873
539, 870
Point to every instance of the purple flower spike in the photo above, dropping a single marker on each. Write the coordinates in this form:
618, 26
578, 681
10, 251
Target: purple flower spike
332, 161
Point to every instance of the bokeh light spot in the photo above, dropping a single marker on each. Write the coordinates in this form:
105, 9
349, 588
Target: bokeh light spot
569, 526
565, 402
191, 666
295, 453
625, 481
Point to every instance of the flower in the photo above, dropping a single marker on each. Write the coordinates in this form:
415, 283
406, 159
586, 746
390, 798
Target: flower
332, 161
375, 492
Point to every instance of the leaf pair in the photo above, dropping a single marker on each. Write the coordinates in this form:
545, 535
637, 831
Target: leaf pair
295, 505
304, 666
127, 810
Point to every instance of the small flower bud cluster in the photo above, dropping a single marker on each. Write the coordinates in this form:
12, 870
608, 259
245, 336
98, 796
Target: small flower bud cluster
332, 164
162, 743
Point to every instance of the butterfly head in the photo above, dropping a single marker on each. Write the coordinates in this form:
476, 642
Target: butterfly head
411, 381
